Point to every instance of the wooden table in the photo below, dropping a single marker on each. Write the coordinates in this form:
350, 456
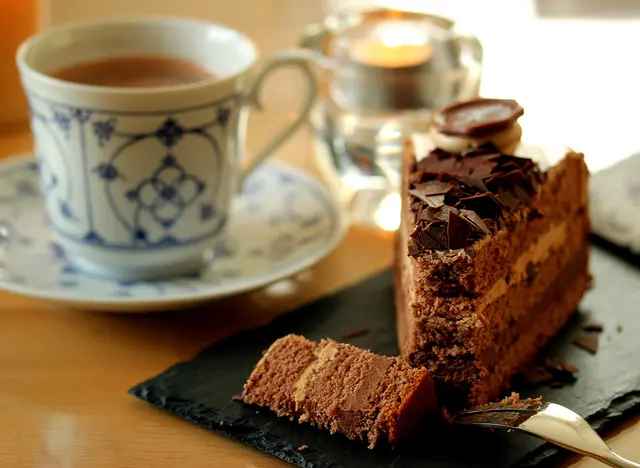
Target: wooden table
64, 374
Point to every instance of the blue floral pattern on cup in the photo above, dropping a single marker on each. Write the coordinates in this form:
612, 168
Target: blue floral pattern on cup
166, 195
181, 179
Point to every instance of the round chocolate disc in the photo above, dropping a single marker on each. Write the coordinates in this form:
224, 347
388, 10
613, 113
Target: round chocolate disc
477, 117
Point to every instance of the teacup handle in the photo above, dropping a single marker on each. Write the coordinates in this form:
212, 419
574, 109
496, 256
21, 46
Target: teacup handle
303, 60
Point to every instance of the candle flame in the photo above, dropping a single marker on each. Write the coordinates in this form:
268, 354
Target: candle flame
387, 216
400, 35
397, 44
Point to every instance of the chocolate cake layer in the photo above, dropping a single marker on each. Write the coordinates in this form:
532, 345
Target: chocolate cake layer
473, 316
342, 389
477, 377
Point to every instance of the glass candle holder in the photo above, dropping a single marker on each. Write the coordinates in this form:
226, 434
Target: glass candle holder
386, 72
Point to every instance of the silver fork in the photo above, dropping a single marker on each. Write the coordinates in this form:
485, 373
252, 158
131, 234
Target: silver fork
551, 422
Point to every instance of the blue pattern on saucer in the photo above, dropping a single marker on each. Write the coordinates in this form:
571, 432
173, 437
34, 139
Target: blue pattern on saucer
283, 222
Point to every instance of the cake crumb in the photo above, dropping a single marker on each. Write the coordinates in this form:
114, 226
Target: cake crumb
355, 333
513, 401
236, 398
530, 270
303, 448
587, 341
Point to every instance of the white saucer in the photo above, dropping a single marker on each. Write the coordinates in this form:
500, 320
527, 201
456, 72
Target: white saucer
284, 222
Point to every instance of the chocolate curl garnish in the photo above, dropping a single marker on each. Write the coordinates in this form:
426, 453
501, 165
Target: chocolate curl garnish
458, 199
478, 117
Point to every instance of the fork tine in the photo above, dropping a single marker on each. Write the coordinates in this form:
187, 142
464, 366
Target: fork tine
496, 410
550, 422
509, 418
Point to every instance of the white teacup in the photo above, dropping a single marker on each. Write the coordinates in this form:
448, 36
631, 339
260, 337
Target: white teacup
138, 181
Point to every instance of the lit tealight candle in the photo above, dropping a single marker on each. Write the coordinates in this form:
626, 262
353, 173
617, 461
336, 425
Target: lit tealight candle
393, 45
384, 66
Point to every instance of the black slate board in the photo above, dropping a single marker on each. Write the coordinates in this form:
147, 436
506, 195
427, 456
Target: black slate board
607, 389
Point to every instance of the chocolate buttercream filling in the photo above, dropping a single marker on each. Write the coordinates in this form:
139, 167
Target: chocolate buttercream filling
490, 356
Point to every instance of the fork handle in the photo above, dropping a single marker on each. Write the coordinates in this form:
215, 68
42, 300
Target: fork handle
615, 460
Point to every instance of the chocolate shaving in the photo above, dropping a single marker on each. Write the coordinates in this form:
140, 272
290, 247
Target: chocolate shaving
508, 199
522, 195
459, 230
474, 219
435, 201
431, 200
474, 182
485, 204
587, 341
561, 366
438, 230
355, 333
536, 375
552, 372
474, 236
476, 191
514, 178
482, 172
434, 187
593, 327
434, 237
441, 213
413, 248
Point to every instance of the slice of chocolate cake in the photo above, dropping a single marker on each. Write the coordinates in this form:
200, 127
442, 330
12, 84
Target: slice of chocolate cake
492, 254
341, 388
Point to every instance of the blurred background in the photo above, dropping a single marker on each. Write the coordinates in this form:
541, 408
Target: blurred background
569, 62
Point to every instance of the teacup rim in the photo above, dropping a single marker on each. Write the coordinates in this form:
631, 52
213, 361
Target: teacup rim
28, 43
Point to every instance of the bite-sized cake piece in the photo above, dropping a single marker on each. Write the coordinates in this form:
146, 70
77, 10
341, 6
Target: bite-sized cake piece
341, 388
496, 413
492, 258
513, 401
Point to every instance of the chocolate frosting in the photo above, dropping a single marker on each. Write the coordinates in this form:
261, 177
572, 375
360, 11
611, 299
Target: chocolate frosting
457, 199
478, 117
